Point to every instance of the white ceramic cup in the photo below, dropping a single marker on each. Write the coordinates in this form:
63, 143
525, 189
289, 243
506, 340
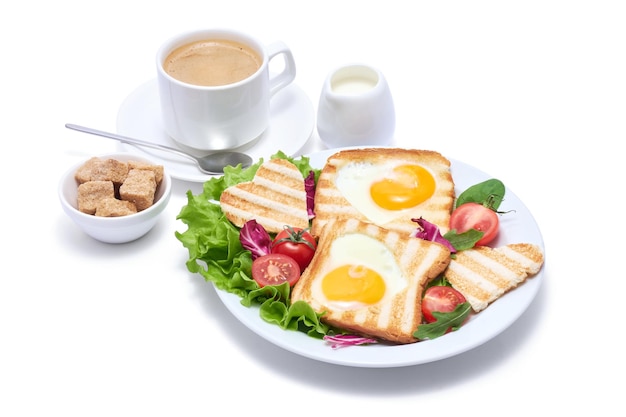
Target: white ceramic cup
223, 116
356, 108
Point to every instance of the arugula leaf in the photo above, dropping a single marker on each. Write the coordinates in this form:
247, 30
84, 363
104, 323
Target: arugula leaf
465, 240
451, 320
440, 281
490, 192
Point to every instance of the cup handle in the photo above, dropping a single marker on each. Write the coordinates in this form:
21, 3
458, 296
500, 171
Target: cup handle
288, 74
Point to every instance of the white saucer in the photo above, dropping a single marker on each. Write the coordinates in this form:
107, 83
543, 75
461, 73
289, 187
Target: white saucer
292, 120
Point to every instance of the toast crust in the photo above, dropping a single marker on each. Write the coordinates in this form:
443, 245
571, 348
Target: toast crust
394, 319
331, 204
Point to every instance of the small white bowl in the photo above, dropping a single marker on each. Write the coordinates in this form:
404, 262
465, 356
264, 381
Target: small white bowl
114, 229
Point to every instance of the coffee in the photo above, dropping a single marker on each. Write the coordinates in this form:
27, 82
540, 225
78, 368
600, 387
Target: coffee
212, 62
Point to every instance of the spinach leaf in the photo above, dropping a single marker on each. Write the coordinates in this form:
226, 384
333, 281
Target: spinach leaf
489, 193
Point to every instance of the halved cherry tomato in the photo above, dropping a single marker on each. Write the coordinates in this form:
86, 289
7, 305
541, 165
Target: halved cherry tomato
442, 299
476, 216
297, 243
274, 269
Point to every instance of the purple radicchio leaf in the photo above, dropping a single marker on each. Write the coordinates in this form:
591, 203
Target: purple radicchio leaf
345, 340
429, 231
309, 187
255, 238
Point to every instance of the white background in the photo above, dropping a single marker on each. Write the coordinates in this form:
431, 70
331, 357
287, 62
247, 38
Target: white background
532, 92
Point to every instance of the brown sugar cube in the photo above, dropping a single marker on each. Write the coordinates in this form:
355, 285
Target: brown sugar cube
112, 207
158, 169
83, 173
91, 192
139, 187
97, 169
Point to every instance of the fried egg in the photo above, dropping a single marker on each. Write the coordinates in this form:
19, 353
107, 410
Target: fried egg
361, 272
383, 192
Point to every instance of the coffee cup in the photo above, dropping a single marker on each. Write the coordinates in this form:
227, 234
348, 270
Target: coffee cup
355, 108
215, 87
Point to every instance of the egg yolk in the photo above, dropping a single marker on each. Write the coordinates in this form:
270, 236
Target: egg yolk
353, 283
406, 186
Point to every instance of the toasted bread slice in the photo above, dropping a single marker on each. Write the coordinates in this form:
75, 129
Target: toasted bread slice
361, 166
274, 198
483, 274
406, 266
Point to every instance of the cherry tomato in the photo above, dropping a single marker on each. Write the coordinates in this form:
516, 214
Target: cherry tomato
297, 243
274, 269
476, 216
440, 298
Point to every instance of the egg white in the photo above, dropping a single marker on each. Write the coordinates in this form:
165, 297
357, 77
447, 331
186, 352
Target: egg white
360, 249
354, 181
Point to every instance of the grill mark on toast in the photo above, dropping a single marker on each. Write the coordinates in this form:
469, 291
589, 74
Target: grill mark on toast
484, 274
265, 198
476, 290
274, 198
271, 186
525, 254
267, 206
491, 267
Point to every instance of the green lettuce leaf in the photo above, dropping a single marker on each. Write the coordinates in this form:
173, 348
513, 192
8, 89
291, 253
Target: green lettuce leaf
216, 253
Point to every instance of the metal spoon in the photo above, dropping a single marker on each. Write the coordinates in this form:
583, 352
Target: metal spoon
213, 163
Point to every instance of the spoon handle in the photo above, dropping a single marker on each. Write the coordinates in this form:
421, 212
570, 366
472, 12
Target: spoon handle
126, 139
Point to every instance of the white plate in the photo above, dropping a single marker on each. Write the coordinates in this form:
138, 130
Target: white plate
518, 226
292, 119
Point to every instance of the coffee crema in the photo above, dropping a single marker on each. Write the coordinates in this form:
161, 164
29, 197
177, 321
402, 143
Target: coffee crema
212, 62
